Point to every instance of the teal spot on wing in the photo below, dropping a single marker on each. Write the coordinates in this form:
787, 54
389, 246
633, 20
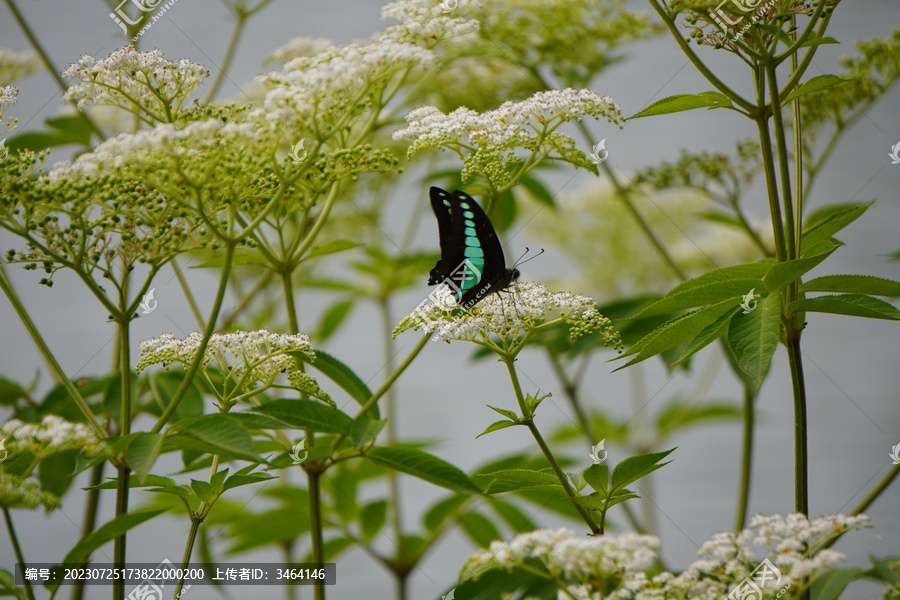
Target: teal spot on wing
468, 214
473, 252
471, 231
464, 205
446, 202
473, 242
470, 223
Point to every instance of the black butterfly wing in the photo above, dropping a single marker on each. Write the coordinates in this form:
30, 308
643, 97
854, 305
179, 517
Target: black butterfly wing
472, 261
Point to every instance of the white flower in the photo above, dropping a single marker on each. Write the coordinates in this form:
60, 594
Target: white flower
16, 493
53, 434
140, 82
8, 96
313, 91
512, 124
18, 64
527, 306
426, 22
299, 46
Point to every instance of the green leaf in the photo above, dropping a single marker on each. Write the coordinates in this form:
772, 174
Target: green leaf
479, 529
753, 338
372, 518
115, 444
830, 585
164, 385
754, 270
108, 531
782, 274
838, 218
699, 295
181, 491
342, 375
708, 335
678, 415
11, 392
816, 84
532, 403
853, 284
496, 426
441, 510
333, 318
240, 258
331, 248
854, 305
597, 476
634, 467
595, 501
507, 480
134, 482
818, 41
537, 189
215, 434
364, 430
203, 490
676, 331
273, 527
424, 466
241, 478
512, 416
143, 451
512, 516
308, 414
682, 102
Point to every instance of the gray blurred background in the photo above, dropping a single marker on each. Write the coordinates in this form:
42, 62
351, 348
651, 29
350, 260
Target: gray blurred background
851, 364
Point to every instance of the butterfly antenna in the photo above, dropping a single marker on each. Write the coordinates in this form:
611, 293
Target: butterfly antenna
522, 262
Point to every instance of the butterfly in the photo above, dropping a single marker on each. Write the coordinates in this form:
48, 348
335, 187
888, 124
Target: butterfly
472, 261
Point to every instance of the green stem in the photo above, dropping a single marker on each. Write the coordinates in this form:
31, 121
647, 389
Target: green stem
42, 347
315, 527
391, 435
196, 520
90, 519
801, 493
210, 327
870, 498
528, 419
746, 459
771, 180
122, 479
387, 384
17, 549
784, 168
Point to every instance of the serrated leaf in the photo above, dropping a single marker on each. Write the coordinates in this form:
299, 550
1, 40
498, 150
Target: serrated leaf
837, 219
708, 335
682, 102
143, 452
496, 426
816, 84
753, 338
853, 305
182, 491
818, 41
593, 501
699, 295
597, 476
134, 482
853, 284
372, 518
364, 430
203, 490
516, 478
107, 532
754, 270
676, 331
239, 479
424, 466
634, 467
512, 416
331, 247
307, 414
783, 273
215, 434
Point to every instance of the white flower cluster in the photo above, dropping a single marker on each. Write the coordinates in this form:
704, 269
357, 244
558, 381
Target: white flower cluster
427, 22
527, 306
299, 46
336, 80
8, 96
144, 83
512, 124
586, 565
130, 149
566, 555
244, 357
53, 434
18, 493
16, 64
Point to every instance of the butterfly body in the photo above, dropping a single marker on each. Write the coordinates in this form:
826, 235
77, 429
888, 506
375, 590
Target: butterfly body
472, 261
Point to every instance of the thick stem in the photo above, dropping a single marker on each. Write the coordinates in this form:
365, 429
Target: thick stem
785, 173
17, 550
196, 520
315, 528
746, 459
801, 493
122, 477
